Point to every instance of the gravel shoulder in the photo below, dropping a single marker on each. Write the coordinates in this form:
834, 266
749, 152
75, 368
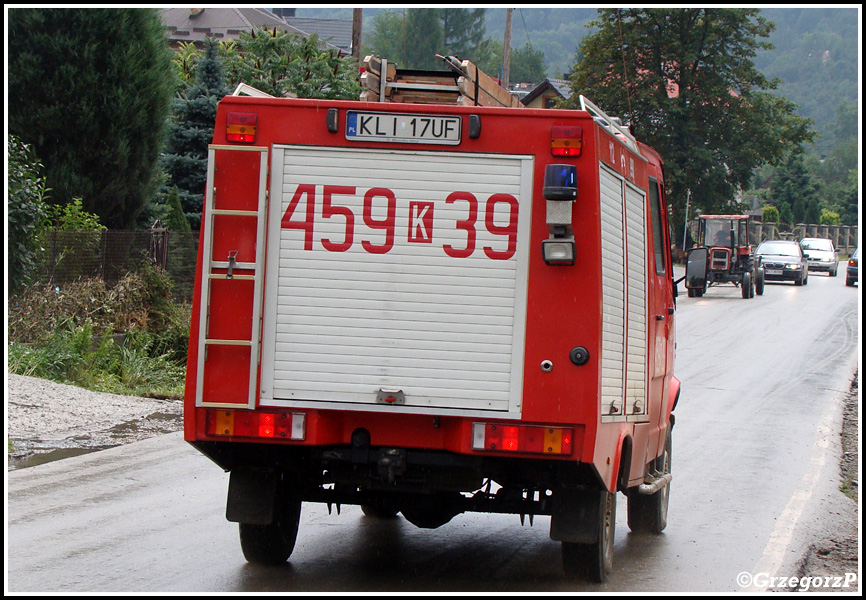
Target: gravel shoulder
47, 421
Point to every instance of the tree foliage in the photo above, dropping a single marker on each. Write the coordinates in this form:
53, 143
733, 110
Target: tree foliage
89, 89
190, 132
282, 64
685, 81
25, 210
413, 37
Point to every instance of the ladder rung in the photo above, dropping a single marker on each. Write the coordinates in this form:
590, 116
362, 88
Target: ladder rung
215, 342
225, 276
235, 213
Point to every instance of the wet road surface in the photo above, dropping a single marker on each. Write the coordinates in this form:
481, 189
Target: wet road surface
754, 452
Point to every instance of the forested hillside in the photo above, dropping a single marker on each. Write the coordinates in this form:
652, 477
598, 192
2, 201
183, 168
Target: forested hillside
815, 54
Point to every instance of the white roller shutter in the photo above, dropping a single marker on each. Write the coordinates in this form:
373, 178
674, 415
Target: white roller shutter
624, 299
613, 293
385, 311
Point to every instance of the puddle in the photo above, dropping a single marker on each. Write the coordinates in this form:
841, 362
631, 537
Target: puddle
29, 453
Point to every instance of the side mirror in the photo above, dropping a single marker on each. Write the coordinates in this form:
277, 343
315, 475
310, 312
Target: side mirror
696, 268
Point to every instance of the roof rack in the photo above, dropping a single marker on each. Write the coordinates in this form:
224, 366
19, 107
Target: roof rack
613, 125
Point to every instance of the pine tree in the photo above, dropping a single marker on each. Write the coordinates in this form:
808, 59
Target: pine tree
90, 90
190, 132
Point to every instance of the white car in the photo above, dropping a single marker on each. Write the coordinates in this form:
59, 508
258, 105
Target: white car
820, 254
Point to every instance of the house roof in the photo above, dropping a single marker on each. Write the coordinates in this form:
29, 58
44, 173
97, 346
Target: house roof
196, 24
557, 86
337, 32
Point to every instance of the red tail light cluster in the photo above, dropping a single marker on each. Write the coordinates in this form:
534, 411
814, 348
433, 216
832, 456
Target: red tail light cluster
254, 424
529, 439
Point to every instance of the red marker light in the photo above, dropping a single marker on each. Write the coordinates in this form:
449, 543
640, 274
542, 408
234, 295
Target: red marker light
241, 127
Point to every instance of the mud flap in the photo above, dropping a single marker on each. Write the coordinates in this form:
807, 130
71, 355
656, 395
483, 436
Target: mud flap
251, 496
575, 516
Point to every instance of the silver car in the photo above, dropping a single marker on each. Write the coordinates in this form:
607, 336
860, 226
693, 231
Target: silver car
821, 255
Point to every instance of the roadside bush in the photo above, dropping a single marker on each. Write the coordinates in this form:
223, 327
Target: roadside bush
130, 338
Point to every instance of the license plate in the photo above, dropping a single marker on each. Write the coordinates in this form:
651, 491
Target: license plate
403, 128
773, 272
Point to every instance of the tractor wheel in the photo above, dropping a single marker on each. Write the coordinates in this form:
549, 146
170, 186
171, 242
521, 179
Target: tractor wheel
759, 282
746, 286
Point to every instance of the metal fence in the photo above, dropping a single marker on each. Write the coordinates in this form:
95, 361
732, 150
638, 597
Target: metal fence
70, 255
845, 237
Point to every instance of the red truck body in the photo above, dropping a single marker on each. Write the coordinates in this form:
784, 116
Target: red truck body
397, 305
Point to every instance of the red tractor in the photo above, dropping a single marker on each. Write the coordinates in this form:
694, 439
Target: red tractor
723, 255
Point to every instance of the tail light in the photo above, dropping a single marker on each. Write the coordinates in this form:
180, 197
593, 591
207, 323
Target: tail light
528, 439
241, 127
242, 423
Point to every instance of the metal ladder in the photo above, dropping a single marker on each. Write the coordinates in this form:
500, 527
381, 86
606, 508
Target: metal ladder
223, 377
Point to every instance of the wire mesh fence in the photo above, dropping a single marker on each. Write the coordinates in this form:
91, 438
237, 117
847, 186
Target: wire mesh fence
68, 256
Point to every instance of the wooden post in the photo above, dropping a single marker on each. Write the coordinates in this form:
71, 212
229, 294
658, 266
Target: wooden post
506, 48
357, 22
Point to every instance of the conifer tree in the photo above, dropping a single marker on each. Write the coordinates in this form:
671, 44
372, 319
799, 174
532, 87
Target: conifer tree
190, 132
90, 90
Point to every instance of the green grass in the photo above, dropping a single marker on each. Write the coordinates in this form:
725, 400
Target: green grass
73, 355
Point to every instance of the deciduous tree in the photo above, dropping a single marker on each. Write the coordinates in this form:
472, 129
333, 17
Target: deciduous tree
685, 82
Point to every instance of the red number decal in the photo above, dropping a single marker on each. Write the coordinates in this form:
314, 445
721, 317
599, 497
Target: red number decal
388, 224
467, 225
329, 211
509, 230
307, 224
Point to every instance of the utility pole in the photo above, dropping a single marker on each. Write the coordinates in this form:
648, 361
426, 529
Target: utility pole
357, 22
506, 48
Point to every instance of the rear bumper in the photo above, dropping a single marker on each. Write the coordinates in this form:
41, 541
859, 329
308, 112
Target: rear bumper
822, 266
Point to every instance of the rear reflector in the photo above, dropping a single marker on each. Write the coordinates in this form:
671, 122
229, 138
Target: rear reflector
241, 423
241, 127
529, 439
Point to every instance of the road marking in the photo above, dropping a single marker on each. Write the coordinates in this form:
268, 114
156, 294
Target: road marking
780, 539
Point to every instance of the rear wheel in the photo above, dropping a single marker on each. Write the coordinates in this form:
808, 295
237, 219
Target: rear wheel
594, 561
747, 286
272, 544
759, 282
648, 513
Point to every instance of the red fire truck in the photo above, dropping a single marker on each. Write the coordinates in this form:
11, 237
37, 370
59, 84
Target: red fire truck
433, 309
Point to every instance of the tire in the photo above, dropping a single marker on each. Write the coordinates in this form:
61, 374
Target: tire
649, 513
806, 278
800, 281
747, 288
272, 544
850, 282
691, 293
594, 561
759, 282
833, 272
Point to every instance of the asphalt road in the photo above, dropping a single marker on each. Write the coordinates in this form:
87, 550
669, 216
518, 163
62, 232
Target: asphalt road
754, 457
